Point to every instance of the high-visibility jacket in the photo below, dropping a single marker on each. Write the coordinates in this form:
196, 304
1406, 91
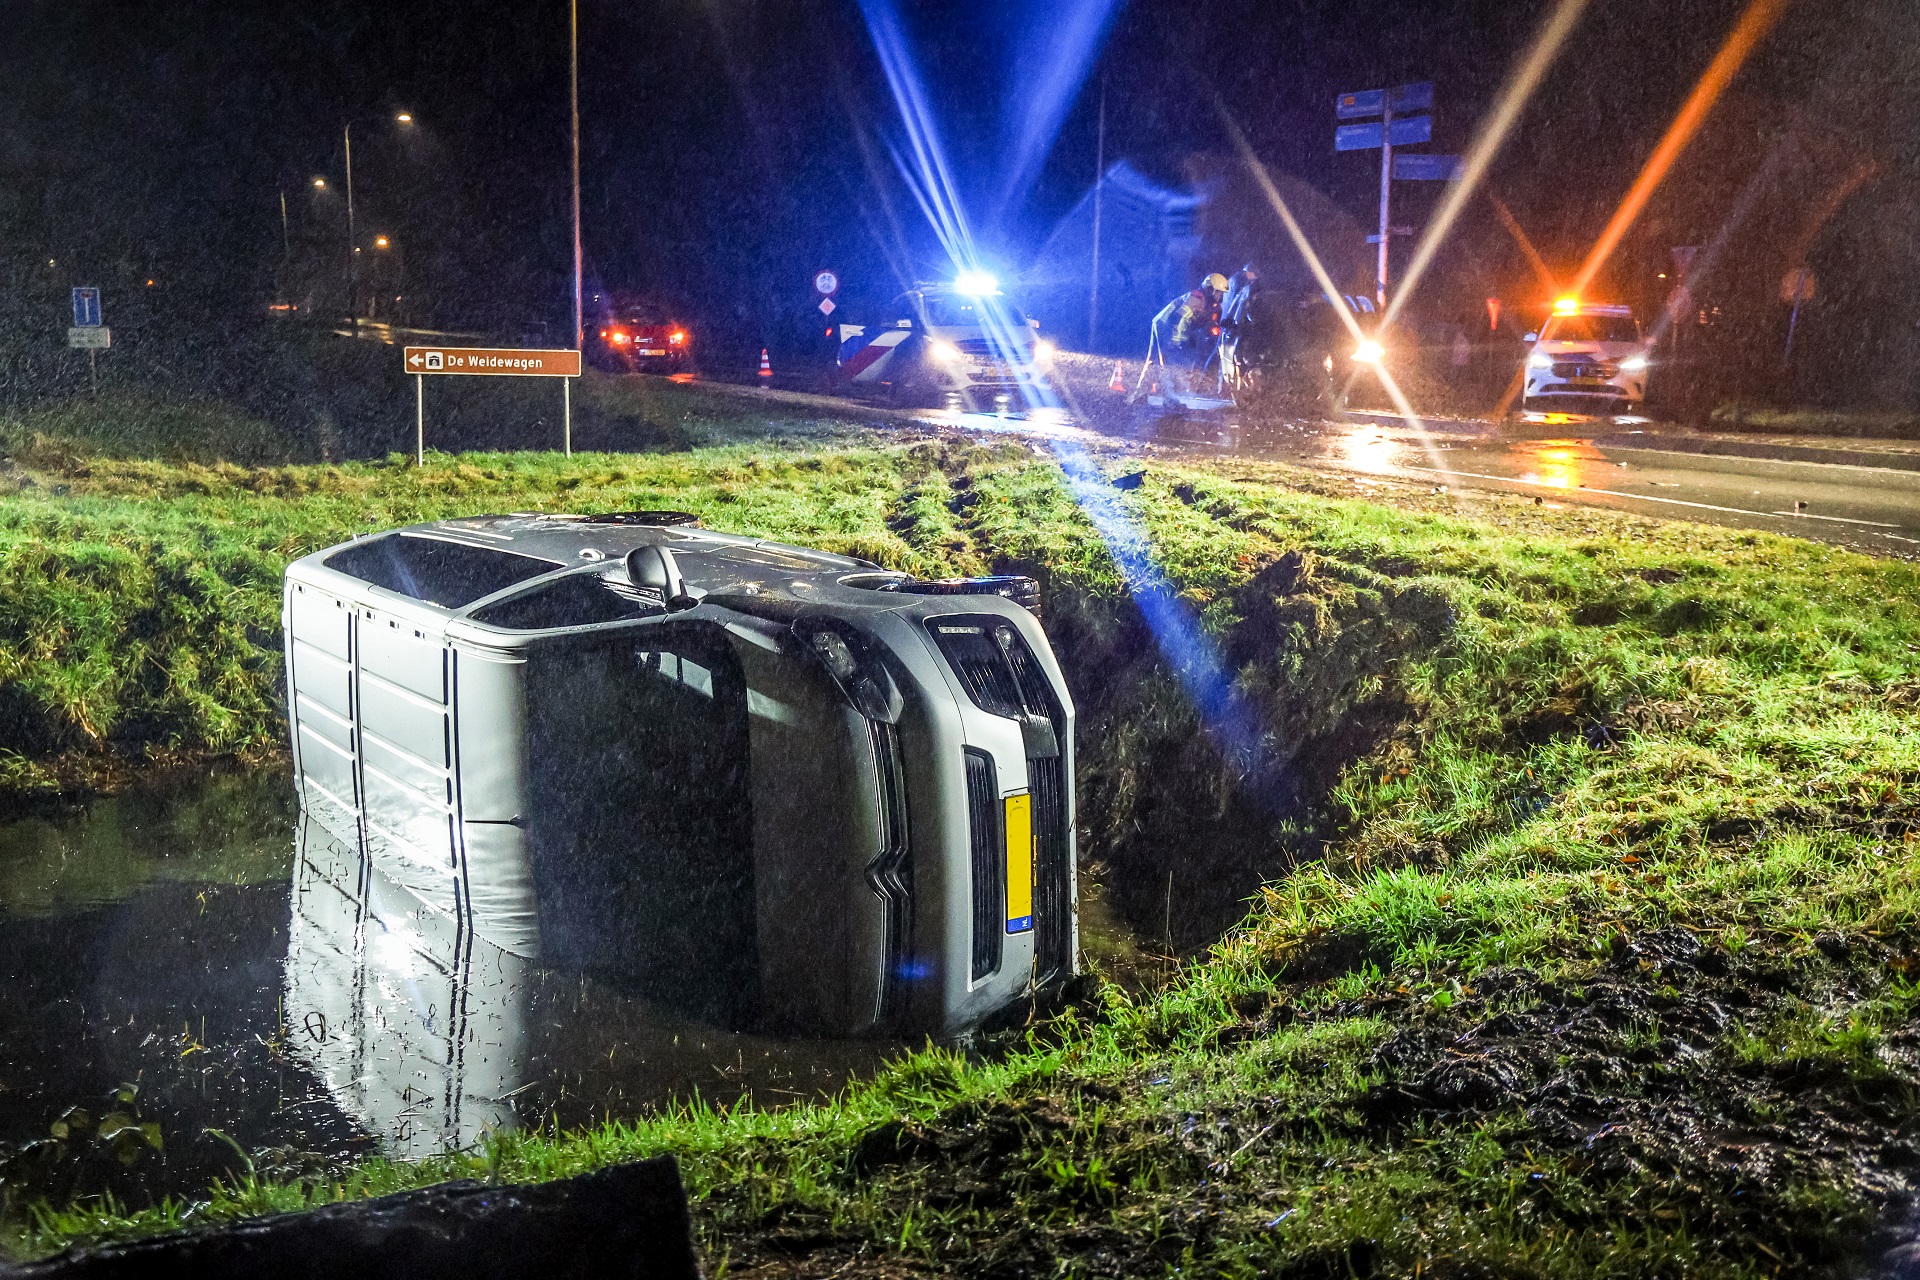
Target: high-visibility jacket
1195, 319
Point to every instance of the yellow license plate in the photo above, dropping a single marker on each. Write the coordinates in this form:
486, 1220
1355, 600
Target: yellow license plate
1019, 863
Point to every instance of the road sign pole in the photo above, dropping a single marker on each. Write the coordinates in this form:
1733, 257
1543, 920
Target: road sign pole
566, 415
1386, 201
419, 421
93, 361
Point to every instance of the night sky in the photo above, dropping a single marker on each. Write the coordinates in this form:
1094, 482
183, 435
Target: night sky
733, 148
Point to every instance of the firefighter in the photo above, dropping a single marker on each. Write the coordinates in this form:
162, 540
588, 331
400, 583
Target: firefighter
1184, 331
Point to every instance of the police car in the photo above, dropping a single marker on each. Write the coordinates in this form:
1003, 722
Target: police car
966, 338
1587, 355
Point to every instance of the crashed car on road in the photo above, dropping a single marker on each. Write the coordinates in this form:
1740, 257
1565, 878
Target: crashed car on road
966, 338
1589, 356
774, 787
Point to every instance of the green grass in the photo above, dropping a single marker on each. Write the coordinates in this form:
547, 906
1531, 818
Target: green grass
1597, 851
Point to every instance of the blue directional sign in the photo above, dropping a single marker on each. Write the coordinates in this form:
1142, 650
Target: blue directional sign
1426, 167
1407, 131
86, 307
1410, 97
1352, 106
1371, 102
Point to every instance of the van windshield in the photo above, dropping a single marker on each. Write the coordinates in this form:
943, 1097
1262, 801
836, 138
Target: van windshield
1591, 329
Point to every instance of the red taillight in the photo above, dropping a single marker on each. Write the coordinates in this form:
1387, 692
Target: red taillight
676, 337
620, 335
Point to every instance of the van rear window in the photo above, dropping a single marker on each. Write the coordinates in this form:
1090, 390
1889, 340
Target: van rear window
449, 574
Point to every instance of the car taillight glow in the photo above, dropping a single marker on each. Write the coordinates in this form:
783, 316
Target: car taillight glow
676, 337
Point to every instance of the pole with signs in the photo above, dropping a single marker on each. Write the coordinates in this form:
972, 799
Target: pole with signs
1398, 126
493, 362
88, 333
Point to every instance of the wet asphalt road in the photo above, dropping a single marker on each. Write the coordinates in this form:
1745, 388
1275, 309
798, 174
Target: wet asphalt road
1625, 464
1875, 509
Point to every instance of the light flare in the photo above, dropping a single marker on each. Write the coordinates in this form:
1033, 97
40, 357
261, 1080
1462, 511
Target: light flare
1493, 132
1759, 18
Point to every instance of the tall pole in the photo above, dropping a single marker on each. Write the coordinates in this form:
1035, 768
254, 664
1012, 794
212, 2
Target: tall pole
419, 420
286, 237
1386, 190
1099, 183
353, 245
579, 311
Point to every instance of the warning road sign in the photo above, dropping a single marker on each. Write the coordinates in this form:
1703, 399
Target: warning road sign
508, 362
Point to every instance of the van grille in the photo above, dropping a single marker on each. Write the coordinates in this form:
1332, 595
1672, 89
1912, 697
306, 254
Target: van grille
985, 825
890, 872
1052, 870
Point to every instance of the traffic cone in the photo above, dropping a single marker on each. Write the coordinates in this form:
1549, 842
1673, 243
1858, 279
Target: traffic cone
1154, 397
766, 365
1119, 382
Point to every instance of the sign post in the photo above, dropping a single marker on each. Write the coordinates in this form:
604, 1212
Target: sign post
489, 362
1407, 129
88, 333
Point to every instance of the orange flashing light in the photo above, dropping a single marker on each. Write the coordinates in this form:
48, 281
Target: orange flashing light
1565, 306
676, 337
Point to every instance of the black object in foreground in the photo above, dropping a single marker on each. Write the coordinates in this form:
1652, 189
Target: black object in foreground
627, 1221
1132, 480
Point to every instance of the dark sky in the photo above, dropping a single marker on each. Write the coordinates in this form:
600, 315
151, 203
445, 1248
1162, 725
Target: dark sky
733, 147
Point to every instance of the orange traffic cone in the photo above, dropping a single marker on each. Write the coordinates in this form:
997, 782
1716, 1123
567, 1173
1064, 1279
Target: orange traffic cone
1119, 382
1154, 397
766, 365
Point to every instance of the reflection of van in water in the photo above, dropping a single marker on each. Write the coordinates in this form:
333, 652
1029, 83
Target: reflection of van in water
765, 785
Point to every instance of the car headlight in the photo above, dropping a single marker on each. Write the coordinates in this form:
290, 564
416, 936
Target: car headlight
1540, 360
946, 352
1043, 352
1633, 364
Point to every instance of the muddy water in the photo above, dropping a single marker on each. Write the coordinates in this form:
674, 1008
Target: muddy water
160, 977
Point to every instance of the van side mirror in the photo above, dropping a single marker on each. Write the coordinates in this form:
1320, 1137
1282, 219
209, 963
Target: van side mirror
655, 569
1532, 337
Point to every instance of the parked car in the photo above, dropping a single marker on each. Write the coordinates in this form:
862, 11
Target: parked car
640, 337
966, 338
778, 788
1587, 355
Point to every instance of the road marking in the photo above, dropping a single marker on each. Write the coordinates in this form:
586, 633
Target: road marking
1648, 497
1807, 515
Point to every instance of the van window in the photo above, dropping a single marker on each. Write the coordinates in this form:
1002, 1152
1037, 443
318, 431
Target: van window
449, 574
577, 600
1591, 329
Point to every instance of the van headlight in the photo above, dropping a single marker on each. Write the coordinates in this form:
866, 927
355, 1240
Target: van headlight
1633, 364
854, 663
946, 352
1540, 360
1043, 353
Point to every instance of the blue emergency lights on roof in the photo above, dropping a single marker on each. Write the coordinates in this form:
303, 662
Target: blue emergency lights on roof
976, 284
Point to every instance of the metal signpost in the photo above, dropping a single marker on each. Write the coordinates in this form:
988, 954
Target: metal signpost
1397, 127
489, 362
88, 334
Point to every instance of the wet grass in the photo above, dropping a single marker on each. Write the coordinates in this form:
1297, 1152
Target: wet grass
1592, 951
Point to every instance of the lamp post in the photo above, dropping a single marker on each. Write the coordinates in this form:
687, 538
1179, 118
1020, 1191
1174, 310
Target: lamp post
353, 245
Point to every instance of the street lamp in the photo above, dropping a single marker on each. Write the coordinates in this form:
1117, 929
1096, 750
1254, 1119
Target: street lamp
353, 244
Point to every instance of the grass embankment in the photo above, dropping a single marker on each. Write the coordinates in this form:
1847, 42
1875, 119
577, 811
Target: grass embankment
1602, 965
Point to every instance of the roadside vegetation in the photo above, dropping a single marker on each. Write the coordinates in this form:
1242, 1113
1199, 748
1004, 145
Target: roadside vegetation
1563, 925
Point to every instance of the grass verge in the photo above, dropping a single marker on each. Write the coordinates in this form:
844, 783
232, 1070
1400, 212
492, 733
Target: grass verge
1583, 939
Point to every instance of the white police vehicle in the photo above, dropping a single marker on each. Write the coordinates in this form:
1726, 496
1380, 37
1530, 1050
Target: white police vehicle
1587, 356
966, 338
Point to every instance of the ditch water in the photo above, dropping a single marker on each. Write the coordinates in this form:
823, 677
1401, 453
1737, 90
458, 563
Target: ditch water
173, 996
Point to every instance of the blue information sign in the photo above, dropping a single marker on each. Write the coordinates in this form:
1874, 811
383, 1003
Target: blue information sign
1418, 167
1407, 131
1367, 102
1371, 102
86, 307
1410, 97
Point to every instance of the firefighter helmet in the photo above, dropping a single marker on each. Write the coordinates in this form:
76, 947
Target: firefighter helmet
1215, 282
